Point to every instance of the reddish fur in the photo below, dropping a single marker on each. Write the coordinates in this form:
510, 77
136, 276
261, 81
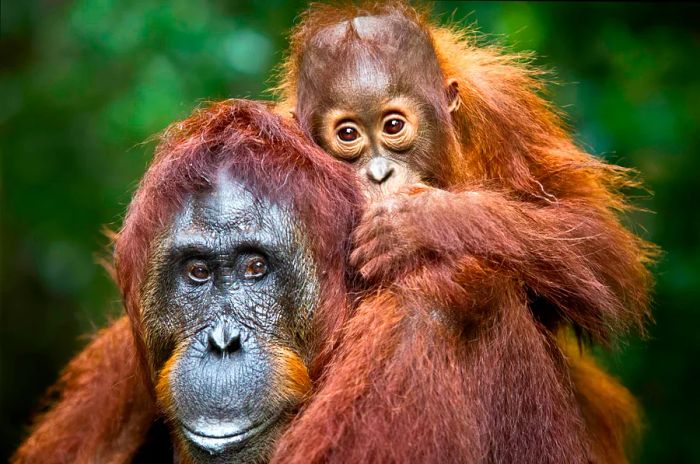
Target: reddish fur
450, 354
544, 227
446, 361
165, 404
562, 253
107, 401
609, 409
104, 409
296, 383
408, 387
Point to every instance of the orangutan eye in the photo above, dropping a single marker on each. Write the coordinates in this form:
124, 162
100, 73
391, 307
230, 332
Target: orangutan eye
197, 271
348, 142
398, 131
348, 134
255, 268
393, 125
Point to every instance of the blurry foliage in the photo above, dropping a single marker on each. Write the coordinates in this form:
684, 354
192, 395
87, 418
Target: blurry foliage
84, 83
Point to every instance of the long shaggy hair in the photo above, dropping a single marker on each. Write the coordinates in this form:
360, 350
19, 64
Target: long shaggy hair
106, 402
543, 251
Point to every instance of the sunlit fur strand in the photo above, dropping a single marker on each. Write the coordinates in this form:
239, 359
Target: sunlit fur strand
510, 135
611, 412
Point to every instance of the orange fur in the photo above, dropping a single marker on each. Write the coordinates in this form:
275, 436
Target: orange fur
102, 394
296, 383
508, 144
107, 400
610, 410
165, 403
561, 205
163, 391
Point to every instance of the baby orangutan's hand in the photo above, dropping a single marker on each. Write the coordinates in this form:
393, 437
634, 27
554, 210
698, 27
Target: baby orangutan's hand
398, 232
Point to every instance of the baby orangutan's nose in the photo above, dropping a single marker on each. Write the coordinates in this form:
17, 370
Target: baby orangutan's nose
379, 169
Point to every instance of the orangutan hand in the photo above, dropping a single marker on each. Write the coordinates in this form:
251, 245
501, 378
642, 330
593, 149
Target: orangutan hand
400, 232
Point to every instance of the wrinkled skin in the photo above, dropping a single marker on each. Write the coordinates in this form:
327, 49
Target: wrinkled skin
230, 290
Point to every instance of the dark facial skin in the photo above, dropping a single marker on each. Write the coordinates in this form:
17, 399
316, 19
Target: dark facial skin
231, 285
374, 97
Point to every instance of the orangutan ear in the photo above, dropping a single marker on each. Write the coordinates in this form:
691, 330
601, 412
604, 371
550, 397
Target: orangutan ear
452, 89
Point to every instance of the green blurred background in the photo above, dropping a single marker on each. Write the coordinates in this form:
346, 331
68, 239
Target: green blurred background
84, 83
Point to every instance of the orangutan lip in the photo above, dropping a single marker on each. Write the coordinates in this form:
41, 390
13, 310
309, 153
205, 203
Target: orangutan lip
217, 444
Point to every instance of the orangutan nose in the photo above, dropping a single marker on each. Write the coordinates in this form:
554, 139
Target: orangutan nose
379, 169
224, 340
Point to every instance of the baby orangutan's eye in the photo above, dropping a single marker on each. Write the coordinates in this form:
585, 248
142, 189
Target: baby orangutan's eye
394, 125
348, 141
348, 134
398, 132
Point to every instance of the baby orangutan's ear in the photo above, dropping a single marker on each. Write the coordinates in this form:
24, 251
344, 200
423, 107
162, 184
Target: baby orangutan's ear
452, 89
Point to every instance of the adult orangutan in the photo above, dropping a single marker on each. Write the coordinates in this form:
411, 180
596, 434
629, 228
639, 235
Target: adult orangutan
232, 263
512, 231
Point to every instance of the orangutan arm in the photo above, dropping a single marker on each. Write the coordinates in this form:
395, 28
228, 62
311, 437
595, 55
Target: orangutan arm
103, 411
573, 255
